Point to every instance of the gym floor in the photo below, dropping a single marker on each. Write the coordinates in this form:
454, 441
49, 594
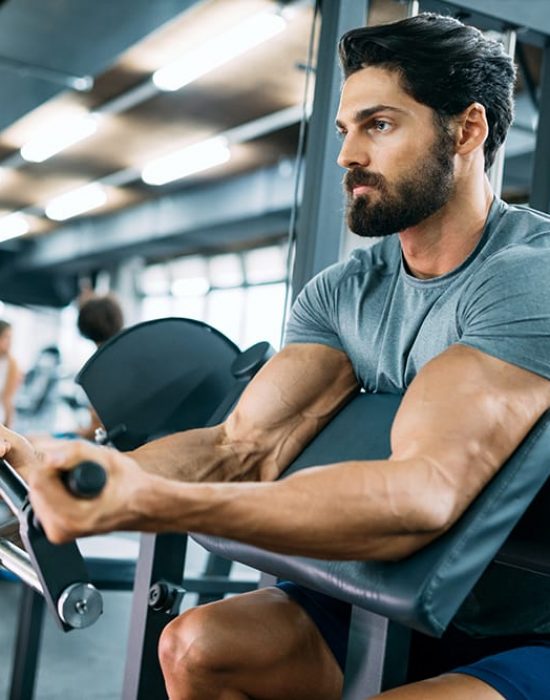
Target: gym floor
86, 664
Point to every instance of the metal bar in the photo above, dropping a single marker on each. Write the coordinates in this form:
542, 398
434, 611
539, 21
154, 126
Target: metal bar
527, 75
27, 645
540, 182
378, 655
9, 528
366, 654
531, 15
496, 171
160, 557
81, 83
319, 226
12, 487
18, 562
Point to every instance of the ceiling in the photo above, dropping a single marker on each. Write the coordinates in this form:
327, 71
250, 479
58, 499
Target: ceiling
61, 60
47, 46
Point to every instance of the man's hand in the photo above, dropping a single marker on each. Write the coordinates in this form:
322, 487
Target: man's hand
64, 517
19, 452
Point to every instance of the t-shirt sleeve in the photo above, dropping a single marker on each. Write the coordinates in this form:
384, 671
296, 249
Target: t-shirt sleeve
505, 311
313, 318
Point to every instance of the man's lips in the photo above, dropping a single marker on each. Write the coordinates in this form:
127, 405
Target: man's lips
358, 190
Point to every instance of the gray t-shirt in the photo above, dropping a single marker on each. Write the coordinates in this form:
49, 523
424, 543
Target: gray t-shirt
390, 324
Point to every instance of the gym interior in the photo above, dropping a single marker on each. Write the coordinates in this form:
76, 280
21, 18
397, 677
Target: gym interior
179, 159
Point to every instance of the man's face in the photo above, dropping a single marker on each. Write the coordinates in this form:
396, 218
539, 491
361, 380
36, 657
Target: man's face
399, 163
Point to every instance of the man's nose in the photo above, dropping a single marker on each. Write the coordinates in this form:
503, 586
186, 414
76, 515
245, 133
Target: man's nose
353, 153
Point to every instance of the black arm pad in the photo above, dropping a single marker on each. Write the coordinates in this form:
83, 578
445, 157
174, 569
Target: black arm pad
425, 590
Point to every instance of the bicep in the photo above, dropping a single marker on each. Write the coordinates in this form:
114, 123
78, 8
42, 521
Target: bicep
463, 416
287, 404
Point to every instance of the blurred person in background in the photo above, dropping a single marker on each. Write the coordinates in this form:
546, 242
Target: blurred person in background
99, 319
10, 375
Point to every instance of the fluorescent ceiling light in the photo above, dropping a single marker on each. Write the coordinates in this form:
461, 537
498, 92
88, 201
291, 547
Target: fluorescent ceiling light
63, 134
187, 161
219, 50
13, 225
76, 202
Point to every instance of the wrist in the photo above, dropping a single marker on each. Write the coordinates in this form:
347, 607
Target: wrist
152, 504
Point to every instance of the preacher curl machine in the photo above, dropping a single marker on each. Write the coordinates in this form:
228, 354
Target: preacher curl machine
137, 383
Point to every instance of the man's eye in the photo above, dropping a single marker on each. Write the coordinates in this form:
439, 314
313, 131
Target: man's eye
340, 135
381, 125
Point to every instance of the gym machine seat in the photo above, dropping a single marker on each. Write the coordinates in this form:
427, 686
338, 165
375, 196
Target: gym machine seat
425, 590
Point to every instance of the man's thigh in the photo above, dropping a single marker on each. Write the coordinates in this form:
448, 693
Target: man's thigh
263, 644
514, 674
447, 687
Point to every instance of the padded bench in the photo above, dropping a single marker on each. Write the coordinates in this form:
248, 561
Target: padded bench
425, 590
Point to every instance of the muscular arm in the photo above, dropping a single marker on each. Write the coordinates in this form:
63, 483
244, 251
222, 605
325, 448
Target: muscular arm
461, 419
286, 404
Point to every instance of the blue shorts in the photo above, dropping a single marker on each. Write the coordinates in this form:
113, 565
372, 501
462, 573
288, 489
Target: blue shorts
331, 616
517, 667
518, 674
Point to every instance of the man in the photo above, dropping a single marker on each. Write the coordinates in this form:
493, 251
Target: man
99, 319
454, 310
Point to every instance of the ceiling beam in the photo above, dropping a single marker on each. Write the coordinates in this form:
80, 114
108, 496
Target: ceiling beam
252, 206
531, 18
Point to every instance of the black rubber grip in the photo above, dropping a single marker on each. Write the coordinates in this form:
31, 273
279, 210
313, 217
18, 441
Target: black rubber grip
86, 480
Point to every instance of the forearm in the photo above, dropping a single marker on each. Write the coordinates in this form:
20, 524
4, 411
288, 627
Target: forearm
193, 455
334, 512
279, 412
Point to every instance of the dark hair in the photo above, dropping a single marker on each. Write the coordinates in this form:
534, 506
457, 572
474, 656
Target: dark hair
443, 64
4, 325
100, 318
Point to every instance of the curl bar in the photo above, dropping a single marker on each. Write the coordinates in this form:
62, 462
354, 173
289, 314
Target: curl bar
56, 571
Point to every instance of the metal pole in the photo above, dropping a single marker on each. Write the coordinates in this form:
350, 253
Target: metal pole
18, 562
496, 171
161, 557
540, 183
319, 230
27, 645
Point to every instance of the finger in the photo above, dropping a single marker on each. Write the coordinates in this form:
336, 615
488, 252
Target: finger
61, 517
4, 447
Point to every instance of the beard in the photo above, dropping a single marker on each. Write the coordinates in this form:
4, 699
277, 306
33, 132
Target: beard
411, 199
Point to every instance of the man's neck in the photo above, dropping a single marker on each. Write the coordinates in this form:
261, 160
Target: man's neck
444, 240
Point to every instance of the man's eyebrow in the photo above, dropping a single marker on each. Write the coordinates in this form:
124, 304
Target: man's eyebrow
363, 114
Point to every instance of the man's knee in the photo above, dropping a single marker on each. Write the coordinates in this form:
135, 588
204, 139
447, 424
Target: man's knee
188, 644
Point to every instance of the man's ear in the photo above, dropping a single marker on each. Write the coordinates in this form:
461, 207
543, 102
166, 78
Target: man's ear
471, 129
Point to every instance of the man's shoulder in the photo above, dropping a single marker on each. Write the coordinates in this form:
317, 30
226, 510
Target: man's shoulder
524, 225
516, 270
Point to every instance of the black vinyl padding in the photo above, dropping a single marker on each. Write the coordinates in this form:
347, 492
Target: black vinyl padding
425, 590
158, 377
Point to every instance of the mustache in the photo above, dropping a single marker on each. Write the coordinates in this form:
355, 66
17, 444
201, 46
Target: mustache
357, 177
